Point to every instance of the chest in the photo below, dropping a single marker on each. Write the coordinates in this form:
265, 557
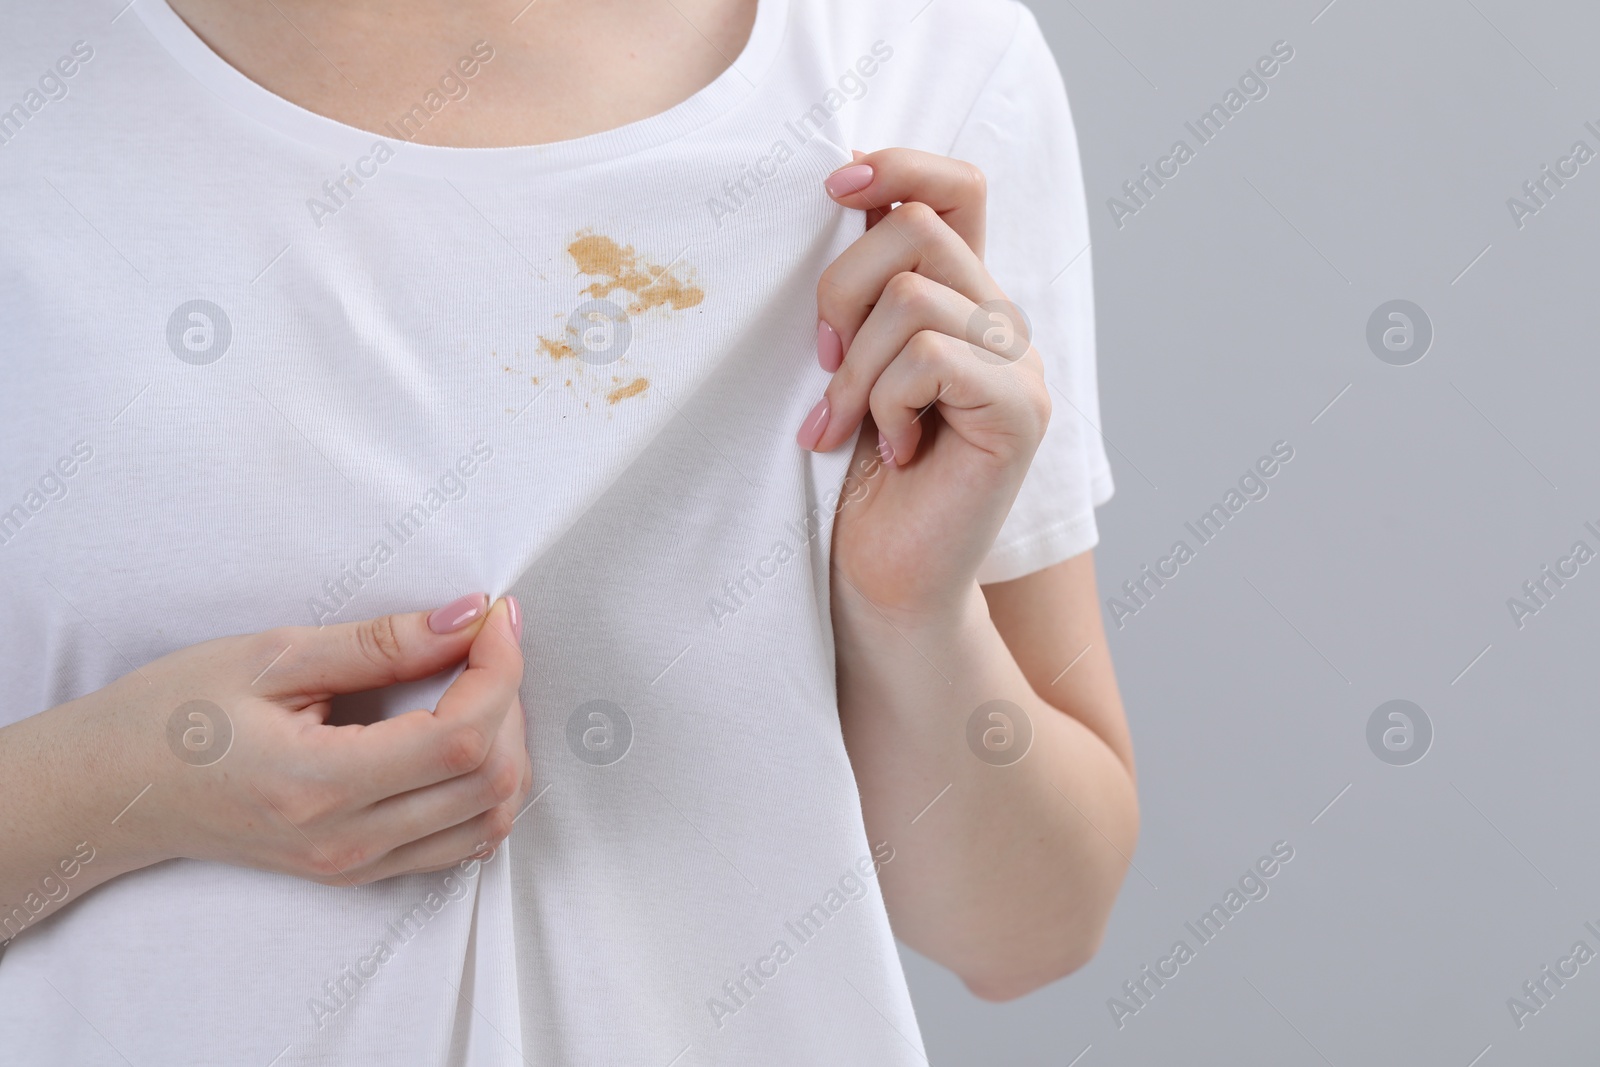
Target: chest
268, 415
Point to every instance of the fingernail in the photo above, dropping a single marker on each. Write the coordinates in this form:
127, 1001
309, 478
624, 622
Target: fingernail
456, 614
516, 616
885, 450
811, 430
830, 350
850, 180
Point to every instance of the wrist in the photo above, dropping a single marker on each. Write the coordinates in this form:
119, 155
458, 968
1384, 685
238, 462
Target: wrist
938, 621
116, 760
864, 630
65, 785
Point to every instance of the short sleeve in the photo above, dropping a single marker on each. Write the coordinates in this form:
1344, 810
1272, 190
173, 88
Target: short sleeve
1020, 133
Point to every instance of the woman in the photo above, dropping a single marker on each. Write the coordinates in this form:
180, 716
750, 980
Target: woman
300, 346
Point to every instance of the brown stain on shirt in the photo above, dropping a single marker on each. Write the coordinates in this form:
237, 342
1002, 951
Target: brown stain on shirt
618, 266
556, 349
614, 266
623, 392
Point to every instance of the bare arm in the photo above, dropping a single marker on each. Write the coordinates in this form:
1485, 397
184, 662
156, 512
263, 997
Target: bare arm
1009, 876
1006, 867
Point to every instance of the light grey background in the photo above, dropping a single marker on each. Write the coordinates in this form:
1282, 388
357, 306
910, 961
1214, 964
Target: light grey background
1232, 309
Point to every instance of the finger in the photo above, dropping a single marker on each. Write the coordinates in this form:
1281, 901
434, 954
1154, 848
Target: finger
874, 215
476, 835
912, 238
953, 188
447, 847
504, 778
420, 748
909, 304
317, 662
997, 408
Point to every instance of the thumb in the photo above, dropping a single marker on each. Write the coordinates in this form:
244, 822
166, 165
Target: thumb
353, 657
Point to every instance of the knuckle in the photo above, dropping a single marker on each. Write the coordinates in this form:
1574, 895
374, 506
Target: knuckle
378, 639
908, 290
497, 823
830, 291
463, 749
502, 775
917, 216
925, 350
1036, 413
1042, 405
972, 180
848, 382
1030, 406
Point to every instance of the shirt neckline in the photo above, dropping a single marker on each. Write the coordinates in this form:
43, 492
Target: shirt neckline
267, 108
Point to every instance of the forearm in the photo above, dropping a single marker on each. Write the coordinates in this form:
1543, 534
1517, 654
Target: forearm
1003, 873
65, 778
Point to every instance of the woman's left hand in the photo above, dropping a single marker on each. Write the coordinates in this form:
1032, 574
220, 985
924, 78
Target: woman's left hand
926, 350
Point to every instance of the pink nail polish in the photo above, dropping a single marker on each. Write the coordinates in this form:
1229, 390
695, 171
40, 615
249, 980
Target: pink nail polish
850, 180
515, 611
830, 350
885, 450
456, 614
816, 424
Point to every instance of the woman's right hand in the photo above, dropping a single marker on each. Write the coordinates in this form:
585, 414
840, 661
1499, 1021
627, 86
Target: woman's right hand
339, 805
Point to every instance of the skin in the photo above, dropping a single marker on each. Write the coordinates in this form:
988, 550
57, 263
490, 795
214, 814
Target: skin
1007, 877
363, 62
338, 805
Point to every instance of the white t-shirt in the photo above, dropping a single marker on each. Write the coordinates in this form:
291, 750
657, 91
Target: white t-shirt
264, 368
